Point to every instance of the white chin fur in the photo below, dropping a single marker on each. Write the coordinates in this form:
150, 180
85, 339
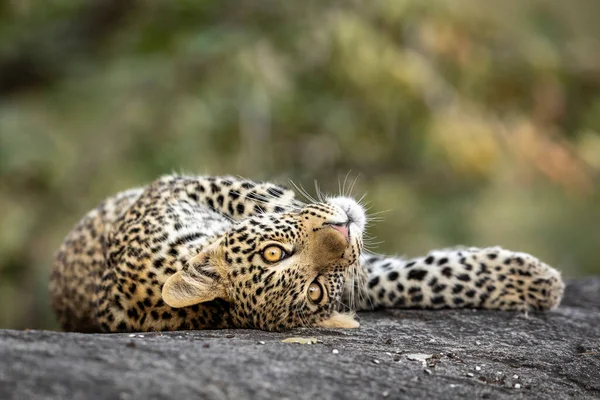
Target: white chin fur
354, 210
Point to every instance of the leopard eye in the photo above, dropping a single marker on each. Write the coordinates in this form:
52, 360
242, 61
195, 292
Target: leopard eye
315, 292
273, 254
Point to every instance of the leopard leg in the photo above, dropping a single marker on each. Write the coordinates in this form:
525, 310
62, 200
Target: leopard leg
488, 278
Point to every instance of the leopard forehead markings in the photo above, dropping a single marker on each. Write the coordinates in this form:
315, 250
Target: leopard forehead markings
191, 253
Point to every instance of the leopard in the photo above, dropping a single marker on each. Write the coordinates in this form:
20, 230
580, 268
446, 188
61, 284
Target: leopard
214, 252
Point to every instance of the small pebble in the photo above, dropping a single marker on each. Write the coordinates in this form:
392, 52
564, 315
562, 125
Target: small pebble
477, 343
515, 376
335, 351
419, 357
470, 375
385, 394
427, 371
517, 386
261, 342
478, 368
376, 361
498, 373
124, 396
132, 335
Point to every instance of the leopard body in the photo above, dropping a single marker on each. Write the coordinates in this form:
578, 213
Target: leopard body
189, 252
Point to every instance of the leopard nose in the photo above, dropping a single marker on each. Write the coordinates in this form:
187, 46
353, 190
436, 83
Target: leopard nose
343, 229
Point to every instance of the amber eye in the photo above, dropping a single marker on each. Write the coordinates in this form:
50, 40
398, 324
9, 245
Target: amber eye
273, 254
315, 292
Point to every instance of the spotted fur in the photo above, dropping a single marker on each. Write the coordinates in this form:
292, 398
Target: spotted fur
188, 253
491, 278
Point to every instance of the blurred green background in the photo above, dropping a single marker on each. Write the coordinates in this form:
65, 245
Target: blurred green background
473, 122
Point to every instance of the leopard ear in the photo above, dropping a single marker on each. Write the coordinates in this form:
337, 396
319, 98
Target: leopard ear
198, 281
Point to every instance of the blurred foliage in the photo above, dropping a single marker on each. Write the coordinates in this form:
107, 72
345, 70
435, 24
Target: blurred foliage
473, 122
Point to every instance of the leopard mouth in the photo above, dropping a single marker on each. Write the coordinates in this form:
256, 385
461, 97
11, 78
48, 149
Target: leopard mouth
354, 212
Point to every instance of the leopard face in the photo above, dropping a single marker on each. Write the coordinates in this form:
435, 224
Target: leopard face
278, 271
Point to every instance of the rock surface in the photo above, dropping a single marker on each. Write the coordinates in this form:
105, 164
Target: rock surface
473, 354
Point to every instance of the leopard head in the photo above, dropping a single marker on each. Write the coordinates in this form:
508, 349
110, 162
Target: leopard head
278, 270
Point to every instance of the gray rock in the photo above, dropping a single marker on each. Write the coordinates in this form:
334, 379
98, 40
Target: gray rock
474, 354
